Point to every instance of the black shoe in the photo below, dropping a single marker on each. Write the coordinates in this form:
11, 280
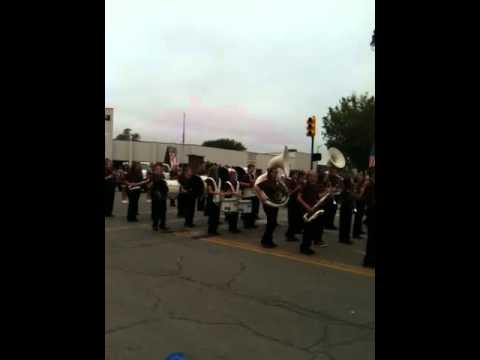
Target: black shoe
214, 234
155, 228
190, 225
235, 231
132, 220
348, 242
307, 251
164, 228
269, 245
292, 238
331, 228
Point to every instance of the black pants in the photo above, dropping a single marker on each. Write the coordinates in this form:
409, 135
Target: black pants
133, 197
109, 196
358, 220
232, 219
159, 211
189, 209
313, 232
370, 256
213, 217
181, 205
271, 213
295, 220
249, 219
329, 215
345, 226
255, 207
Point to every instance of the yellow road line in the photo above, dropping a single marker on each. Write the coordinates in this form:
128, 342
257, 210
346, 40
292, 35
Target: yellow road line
282, 254
273, 252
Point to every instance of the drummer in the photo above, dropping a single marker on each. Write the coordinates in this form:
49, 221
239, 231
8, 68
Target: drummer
247, 183
231, 191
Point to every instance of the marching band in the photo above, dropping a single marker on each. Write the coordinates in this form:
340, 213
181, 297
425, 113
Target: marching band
236, 192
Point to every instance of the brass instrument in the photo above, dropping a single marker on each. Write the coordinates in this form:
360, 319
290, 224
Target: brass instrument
307, 218
137, 186
281, 196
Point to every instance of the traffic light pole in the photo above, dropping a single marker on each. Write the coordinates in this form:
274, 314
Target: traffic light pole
311, 153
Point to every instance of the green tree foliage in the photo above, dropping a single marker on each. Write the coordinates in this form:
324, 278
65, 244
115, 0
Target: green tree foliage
228, 144
126, 134
350, 127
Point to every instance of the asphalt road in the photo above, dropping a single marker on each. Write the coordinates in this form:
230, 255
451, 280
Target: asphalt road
228, 298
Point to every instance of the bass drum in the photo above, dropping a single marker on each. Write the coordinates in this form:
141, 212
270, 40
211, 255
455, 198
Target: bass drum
173, 189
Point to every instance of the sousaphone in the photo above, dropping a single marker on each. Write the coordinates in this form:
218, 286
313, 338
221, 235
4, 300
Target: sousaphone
336, 158
280, 197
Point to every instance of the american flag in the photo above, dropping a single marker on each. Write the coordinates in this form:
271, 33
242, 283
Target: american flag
371, 158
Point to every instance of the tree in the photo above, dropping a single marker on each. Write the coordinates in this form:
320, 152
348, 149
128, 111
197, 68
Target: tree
228, 144
350, 127
126, 134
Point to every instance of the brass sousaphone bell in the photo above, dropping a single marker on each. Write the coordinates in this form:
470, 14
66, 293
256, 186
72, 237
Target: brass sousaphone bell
336, 158
281, 195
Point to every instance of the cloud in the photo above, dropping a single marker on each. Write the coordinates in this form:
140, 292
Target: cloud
252, 71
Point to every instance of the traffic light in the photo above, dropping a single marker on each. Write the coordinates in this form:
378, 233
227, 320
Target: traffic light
311, 125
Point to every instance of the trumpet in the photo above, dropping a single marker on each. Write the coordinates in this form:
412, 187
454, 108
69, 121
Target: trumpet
307, 218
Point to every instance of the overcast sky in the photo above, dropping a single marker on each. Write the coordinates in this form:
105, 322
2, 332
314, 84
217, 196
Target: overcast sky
247, 69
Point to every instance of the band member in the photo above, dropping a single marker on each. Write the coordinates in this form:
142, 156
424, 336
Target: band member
301, 180
308, 197
181, 195
133, 181
109, 189
331, 205
213, 208
369, 260
265, 190
294, 209
346, 212
173, 176
256, 203
123, 182
231, 190
247, 182
158, 196
187, 194
359, 191
149, 177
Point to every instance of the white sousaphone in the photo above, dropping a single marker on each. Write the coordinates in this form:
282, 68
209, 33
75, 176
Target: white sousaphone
281, 196
336, 158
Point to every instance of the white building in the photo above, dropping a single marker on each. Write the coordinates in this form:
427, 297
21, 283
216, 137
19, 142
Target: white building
149, 151
109, 133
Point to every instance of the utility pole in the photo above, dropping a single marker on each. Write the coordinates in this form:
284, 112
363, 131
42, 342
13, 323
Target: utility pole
183, 138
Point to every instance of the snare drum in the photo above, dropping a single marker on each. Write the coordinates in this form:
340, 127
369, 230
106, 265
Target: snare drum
173, 189
229, 206
245, 206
